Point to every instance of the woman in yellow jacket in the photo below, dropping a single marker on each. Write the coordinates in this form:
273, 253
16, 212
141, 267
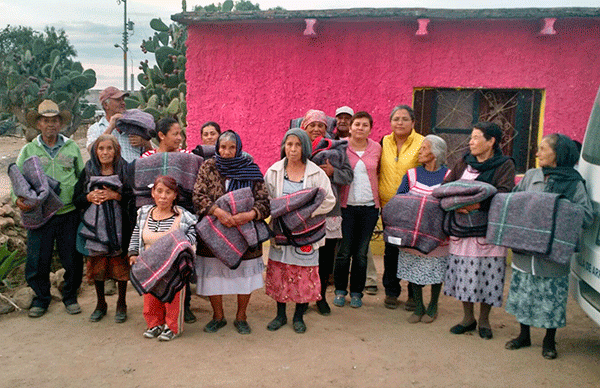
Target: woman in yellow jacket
399, 153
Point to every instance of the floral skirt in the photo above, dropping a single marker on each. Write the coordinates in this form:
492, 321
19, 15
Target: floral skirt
475, 279
101, 268
538, 301
421, 270
292, 283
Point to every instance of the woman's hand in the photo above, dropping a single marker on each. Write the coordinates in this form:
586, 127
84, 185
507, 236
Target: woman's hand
469, 208
224, 217
132, 260
98, 196
244, 218
21, 205
327, 167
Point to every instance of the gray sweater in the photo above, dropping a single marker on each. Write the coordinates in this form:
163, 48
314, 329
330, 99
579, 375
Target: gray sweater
534, 181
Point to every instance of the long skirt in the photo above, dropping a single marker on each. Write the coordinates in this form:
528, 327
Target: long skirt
475, 279
421, 270
292, 283
215, 278
538, 301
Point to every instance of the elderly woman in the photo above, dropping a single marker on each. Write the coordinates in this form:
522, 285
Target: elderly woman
399, 151
169, 136
476, 269
229, 171
210, 132
315, 125
414, 266
360, 211
106, 160
163, 320
539, 288
292, 272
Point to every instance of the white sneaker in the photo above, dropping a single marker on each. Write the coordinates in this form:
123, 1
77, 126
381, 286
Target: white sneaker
153, 332
167, 335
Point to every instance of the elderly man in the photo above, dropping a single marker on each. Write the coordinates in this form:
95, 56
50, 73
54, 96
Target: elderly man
113, 103
343, 115
60, 159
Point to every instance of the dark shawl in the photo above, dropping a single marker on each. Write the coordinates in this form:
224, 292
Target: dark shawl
487, 168
563, 178
241, 171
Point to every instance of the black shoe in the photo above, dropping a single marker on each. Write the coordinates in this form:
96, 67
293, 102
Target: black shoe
517, 343
299, 327
97, 315
549, 354
276, 323
323, 307
214, 325
188, 316
485, 333
460, 329
121, 316
36, 312
242, 327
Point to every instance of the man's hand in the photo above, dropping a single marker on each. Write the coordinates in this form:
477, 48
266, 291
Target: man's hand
138, 141
112, 124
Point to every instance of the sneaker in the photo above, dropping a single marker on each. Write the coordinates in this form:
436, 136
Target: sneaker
356, 301
73, 308
167, 335
340, 299
153, 332
36, 312
371, 290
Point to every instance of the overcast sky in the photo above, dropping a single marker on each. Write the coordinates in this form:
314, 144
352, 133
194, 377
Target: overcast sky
93, 27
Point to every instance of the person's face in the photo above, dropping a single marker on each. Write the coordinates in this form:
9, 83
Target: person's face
315, 129
106, 152
546, 155
401, 123
49, 126
114, 105
227, 149
293, 149
343, 124
478, 145
209, 135
360, 129
172, 140
425, 154
163, 196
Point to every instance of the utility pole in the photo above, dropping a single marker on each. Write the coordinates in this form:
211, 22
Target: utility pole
127, 26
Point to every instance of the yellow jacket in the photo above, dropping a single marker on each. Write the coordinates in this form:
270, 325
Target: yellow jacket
393, 166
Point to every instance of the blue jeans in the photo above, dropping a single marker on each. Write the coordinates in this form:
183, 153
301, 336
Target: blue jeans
358, 223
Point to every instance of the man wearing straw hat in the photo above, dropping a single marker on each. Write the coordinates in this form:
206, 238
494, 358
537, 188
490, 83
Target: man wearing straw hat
60, 159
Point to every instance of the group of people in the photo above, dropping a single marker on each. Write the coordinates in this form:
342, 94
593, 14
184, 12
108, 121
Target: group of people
346, 176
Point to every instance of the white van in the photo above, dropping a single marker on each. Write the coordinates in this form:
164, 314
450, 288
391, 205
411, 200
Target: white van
585, 269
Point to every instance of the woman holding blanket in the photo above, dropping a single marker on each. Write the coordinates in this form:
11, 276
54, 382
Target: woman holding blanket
164, 320
417, 268
228, 171
293, 272
539, 288
106, 160
360, 211
476, 269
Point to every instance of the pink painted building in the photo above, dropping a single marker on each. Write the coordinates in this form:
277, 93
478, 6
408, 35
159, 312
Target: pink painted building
534, 71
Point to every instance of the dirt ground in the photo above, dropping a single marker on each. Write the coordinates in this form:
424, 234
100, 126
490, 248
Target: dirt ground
367, 347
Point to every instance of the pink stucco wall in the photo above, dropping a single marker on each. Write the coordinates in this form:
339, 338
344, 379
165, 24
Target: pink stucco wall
254, 77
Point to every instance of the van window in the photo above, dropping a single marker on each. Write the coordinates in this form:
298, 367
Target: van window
591, 145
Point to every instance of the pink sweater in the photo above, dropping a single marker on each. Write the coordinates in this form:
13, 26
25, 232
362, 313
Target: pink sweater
371, 160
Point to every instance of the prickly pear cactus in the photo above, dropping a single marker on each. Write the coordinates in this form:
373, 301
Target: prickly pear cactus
164, 89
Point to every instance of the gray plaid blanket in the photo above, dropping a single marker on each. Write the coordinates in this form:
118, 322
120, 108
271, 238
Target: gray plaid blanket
454, 195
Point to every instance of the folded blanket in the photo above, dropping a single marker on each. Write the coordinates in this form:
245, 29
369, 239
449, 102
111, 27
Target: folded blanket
293, 224
327, 149
103, 224
457, 194
38, 191
230, 244
136, 122
524, 220
163, 268
536, 223
473, 224
413, 221
204, 151
181, 166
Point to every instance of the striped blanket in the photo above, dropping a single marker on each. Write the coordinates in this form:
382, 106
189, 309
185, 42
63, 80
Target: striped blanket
536, 223
292, 221
181, 166
230, 244
163, 269
460, 193
38, 191
102, 226
413, 221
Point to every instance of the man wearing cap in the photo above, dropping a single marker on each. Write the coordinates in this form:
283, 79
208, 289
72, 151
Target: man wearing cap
60, 159
113, 103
